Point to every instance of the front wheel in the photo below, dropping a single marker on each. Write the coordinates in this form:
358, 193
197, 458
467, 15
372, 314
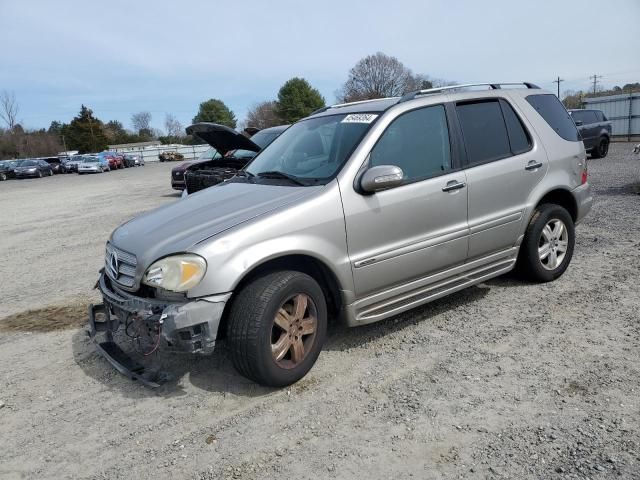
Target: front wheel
548, 244
277, 326
3, 177
602, 149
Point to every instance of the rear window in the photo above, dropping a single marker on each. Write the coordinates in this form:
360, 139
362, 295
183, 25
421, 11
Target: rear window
484, 131
518, 136
554, 113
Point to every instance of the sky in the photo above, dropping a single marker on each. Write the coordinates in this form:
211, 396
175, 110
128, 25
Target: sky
121, 57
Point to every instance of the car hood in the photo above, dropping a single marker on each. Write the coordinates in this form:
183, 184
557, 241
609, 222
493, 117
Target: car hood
222, 138
179, 226
184, 165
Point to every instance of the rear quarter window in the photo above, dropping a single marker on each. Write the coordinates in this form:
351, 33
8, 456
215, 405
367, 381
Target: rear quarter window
554, 113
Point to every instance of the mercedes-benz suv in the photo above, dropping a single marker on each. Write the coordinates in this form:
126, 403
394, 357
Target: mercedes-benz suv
356, 213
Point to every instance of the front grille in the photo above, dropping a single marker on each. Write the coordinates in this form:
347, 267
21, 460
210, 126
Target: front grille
120, 265
200, 179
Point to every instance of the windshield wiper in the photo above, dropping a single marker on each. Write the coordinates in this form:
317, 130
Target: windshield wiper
279, 174
245, 174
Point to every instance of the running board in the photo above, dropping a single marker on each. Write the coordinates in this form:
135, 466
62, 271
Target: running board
420, 296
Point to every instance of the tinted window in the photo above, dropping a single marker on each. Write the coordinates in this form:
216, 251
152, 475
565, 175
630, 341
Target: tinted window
554, 113
519, 139
417, 142
484, 131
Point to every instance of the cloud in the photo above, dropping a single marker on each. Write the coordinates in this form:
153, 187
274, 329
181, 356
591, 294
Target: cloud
125, 56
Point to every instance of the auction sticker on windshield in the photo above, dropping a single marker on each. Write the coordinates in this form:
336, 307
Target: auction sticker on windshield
359, 118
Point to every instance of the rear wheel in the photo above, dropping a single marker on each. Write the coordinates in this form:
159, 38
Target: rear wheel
277, 325
602, 149
548, 244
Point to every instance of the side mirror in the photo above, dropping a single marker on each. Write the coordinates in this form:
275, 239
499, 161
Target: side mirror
578, 123
381, 177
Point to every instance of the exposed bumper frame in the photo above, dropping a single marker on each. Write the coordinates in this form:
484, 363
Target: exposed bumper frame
190, 326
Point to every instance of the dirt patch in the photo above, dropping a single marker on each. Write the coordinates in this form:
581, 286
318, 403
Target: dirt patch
46, 319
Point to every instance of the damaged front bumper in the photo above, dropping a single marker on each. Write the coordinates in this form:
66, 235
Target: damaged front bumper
190, 326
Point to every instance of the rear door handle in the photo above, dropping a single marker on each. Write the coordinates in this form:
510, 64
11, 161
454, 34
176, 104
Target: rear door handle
453, 185
533, 165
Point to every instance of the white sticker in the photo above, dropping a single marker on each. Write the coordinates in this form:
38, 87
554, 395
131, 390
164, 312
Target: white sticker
359, 118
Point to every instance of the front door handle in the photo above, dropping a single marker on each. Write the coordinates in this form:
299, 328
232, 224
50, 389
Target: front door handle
533, 165
453, 185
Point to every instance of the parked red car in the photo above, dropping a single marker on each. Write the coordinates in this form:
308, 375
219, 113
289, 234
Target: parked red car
114, 159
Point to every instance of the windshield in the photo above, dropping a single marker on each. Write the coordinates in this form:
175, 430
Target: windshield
90, 159
313, 149
262, 139
27, 163
210, 154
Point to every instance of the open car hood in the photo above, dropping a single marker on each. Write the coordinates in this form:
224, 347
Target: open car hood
221, 137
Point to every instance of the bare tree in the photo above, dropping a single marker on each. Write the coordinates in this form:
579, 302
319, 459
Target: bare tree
141, 121
9, 109
378, 76
263, 115
173, 126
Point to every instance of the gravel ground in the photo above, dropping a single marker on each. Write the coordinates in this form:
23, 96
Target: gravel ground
503, 380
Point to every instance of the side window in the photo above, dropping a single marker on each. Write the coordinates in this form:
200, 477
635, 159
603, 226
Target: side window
519, 138
554, 113
417, 142
579, 116
484, 131
593, 117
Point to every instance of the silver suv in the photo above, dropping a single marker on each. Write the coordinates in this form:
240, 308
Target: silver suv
358, 212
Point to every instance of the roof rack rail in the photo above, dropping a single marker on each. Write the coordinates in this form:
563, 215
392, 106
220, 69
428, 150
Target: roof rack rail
348, 104
493, 86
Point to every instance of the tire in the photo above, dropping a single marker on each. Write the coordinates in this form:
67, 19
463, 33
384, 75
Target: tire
544, 231
39, 174
252, 331
3, 177
602, 149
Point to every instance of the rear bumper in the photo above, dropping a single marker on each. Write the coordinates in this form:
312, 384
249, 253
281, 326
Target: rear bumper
584, 201
190, 327
177, 184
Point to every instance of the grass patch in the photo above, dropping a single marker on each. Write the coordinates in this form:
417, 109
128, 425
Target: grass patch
48, 319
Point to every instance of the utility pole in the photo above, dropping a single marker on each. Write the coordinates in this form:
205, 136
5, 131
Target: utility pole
595, 78
558, 82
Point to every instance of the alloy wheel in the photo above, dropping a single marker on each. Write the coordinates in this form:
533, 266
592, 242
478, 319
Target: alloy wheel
294, 330
553, 244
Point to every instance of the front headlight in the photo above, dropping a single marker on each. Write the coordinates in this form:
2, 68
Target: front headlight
177, 273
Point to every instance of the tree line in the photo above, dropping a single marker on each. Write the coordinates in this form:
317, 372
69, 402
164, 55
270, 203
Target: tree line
374, 76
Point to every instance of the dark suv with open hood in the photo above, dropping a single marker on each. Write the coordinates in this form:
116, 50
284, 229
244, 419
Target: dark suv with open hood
235, 151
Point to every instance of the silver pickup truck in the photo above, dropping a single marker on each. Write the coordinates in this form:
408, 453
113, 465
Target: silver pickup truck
595, 130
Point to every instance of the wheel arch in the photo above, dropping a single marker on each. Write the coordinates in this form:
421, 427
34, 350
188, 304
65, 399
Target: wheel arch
308, 264
562, 197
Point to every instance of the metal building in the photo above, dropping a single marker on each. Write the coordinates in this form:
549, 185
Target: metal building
623, 111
